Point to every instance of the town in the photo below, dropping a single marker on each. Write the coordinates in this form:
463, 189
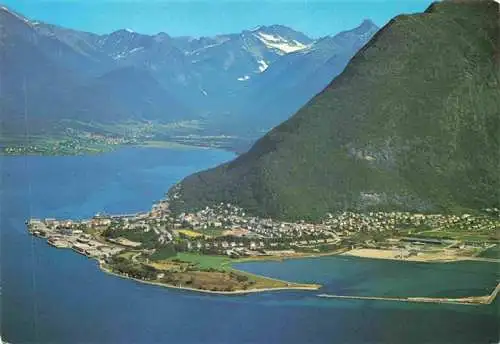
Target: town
73, 142
163, 247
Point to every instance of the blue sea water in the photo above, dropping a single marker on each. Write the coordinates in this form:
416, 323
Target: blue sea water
57, 296
346, 275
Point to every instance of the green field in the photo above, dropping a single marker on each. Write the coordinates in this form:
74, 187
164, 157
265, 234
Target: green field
163, 253
127, 254
166, 144
147, 239
56, 144
189, 233
33, 140
204, 261
459, 235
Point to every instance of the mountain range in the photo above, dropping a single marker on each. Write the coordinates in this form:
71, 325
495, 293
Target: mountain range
411, 124
257, 77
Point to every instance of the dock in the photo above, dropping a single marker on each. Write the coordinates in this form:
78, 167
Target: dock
59, 243
469, 300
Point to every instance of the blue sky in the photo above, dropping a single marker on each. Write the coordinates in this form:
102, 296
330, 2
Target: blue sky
209, 17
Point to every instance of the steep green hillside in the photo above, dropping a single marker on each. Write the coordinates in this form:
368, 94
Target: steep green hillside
412, 123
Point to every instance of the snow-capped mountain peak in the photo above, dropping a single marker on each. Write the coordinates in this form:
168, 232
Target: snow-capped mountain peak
281, 39
277, 42
256, 28
14, 14
262, 65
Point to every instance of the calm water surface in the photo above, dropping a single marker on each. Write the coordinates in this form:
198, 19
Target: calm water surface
57, 296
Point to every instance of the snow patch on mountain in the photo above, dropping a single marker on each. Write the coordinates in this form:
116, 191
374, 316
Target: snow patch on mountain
262, 65
136, 50
124, 54
3, 8
270, 38
119, 56
197, 51
280, 43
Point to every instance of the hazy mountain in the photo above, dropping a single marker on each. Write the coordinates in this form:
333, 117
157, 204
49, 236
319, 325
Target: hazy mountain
201, 71
252, 80
222, 64
49, 73
296, 77
30, 81
87, 60
411, 124
125, 94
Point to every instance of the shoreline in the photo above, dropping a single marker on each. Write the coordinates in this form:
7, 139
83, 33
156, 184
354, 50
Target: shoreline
293, 285
168, 145
468, 300
113, 148
304, 287
287, 257
425, 258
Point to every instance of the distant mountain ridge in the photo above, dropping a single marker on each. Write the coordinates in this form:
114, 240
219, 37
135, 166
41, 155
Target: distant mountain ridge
218, 80
279, 93
411, 124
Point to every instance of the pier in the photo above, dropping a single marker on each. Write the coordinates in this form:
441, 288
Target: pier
469, 300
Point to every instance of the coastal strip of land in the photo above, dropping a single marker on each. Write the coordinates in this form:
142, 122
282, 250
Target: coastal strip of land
291, 286
442, 256
197, 251
267, 284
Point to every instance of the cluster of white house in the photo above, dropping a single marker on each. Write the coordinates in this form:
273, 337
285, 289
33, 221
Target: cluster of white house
61, 235
260, 233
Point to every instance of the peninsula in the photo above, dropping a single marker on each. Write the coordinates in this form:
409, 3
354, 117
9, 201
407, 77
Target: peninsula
195, 251
105, 138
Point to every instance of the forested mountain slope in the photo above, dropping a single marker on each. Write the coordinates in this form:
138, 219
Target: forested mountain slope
411, 124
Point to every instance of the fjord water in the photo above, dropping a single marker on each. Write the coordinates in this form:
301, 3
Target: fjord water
345, 275
57, 296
